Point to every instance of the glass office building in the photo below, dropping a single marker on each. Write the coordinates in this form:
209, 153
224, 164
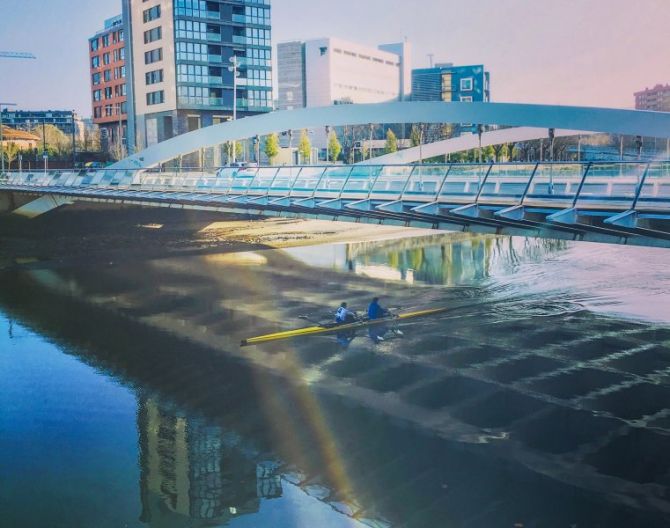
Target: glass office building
181, 63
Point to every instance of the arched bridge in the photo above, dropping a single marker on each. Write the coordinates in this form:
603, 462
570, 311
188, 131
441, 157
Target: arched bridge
608, 120
626, 203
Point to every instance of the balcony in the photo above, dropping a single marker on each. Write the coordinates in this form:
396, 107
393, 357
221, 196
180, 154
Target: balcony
214, 37
241, 19
214, 58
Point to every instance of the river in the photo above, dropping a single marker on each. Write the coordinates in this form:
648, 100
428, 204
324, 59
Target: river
541, 399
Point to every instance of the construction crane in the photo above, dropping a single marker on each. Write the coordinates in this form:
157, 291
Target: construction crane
16, 55
10, 55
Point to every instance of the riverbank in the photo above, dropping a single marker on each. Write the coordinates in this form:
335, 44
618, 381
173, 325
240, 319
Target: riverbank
102, 233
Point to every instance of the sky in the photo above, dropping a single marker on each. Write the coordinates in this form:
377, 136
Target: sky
572, 52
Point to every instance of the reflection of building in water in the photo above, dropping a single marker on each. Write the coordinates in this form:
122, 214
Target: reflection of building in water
444, 260
194, 473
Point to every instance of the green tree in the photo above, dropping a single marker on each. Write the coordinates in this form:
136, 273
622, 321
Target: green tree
272, 147
391, 142
305, 147
415, 136
10, 151
334, 146
58, 143
487, 153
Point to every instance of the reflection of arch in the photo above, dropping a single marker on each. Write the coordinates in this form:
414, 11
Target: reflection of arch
629, 122
466, 142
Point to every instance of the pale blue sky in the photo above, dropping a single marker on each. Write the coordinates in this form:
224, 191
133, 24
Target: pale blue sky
583, 52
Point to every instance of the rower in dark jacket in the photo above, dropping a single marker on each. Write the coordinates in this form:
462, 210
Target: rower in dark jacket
375, 310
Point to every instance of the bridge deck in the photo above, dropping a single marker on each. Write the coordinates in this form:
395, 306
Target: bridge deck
627, 201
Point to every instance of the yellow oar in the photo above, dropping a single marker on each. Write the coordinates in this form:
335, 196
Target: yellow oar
316, 330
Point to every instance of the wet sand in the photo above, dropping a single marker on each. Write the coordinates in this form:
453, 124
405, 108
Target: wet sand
110, 233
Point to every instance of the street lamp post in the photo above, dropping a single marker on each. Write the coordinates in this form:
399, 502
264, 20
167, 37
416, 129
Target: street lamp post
480, 131
2, 144
327, 143
233, 68
579, 148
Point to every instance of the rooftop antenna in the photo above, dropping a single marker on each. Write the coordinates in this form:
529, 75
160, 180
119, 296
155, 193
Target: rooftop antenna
430, 58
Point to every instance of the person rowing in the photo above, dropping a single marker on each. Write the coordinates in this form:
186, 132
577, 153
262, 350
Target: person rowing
375, 310
344, 315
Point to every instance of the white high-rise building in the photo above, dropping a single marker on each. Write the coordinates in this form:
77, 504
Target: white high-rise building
328, 71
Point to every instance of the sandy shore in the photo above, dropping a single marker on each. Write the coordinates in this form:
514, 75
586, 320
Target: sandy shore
92, 233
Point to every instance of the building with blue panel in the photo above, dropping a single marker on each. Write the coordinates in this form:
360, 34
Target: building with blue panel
446, 82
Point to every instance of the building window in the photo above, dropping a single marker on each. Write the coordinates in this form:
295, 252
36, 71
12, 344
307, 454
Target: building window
105, 41
154, 98
95, 44
97, 95
95, 62
466, 98
97, 112
153, 56
108, 92
153, 34
105, 58
154, 77
152, 13
467, 84
108, 75
95, 79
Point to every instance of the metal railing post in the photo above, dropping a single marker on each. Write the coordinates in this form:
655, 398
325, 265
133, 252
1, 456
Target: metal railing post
530, 181
323, 173
581, 184
351, 170
481, 186
444, 181
409, 179
638, 191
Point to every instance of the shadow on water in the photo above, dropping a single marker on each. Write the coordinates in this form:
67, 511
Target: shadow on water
480, 418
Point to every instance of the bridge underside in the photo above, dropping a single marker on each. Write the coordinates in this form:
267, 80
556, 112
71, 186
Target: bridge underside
570, 224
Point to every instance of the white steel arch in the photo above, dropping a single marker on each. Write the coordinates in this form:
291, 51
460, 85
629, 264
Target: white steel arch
466, 142
629, 122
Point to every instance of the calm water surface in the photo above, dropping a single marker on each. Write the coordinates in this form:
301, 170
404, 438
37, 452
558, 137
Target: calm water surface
542, 400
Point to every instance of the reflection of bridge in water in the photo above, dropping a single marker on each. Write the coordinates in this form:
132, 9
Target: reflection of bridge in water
626, 203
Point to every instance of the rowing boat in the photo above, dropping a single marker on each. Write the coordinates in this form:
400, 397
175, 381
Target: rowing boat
332, 328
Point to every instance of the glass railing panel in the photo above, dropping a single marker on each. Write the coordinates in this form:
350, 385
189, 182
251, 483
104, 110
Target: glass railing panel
55, 179
333, 180
263, 179
225, 177
555, 184
73, 178
609, 184
361, 179
426, 181
242, 179
391, 181
284, 180
463, 182
306, 181
506, 183
655, 192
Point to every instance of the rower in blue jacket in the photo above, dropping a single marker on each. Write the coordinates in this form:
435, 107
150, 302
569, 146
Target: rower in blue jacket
375, 310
